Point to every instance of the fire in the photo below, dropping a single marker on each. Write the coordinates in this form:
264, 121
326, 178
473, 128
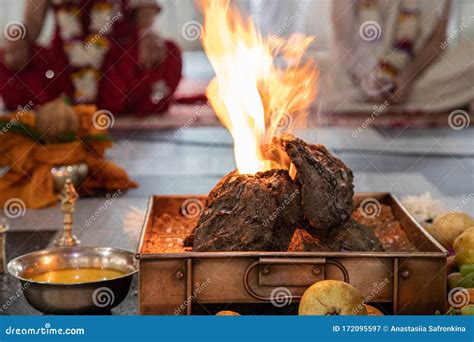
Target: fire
260, 84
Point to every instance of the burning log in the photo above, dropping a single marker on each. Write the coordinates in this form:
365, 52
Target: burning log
250, 213
261, 212
326, 183
353, 237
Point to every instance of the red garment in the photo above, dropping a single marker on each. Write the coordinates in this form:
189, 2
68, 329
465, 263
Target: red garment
124, 86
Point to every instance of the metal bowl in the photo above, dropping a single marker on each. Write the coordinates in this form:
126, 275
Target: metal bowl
76, 172
79, 298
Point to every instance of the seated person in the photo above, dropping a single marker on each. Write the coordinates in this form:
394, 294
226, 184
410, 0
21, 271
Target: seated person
394, 53
102, 52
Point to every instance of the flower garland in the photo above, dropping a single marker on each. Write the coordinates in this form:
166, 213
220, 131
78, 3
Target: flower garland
402, 50
86, 51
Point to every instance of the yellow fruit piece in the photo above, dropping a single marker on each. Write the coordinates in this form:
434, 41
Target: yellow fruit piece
470, 229
447, 227
332, 297
464, 247
468, 310
373, 311
227, 313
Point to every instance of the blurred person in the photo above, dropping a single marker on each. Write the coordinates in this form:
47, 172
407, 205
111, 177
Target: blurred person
395, 53
102, 52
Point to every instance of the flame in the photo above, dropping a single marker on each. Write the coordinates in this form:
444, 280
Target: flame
261, 83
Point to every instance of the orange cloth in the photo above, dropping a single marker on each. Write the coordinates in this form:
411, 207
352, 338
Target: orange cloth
30, 179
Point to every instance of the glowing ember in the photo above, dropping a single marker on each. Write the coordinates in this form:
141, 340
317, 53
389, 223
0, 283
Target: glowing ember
253, 97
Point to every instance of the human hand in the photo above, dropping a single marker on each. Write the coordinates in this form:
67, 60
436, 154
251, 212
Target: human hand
17, 54
151, 49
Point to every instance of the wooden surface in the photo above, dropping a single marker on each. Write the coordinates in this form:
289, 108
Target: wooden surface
404, 162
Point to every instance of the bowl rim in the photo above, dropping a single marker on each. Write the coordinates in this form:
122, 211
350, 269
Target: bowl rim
54, 249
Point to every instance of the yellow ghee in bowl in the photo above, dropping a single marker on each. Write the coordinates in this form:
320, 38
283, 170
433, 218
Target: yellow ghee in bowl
77, 275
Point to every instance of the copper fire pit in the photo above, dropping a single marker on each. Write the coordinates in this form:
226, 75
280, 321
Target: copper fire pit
175, 280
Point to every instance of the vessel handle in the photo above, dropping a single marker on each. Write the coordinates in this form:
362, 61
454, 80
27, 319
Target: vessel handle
292, 261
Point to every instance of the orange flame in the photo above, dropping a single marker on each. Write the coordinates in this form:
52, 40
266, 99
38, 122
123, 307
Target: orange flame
252, 94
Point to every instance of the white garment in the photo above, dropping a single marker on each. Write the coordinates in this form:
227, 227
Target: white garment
360, 56
446, 84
